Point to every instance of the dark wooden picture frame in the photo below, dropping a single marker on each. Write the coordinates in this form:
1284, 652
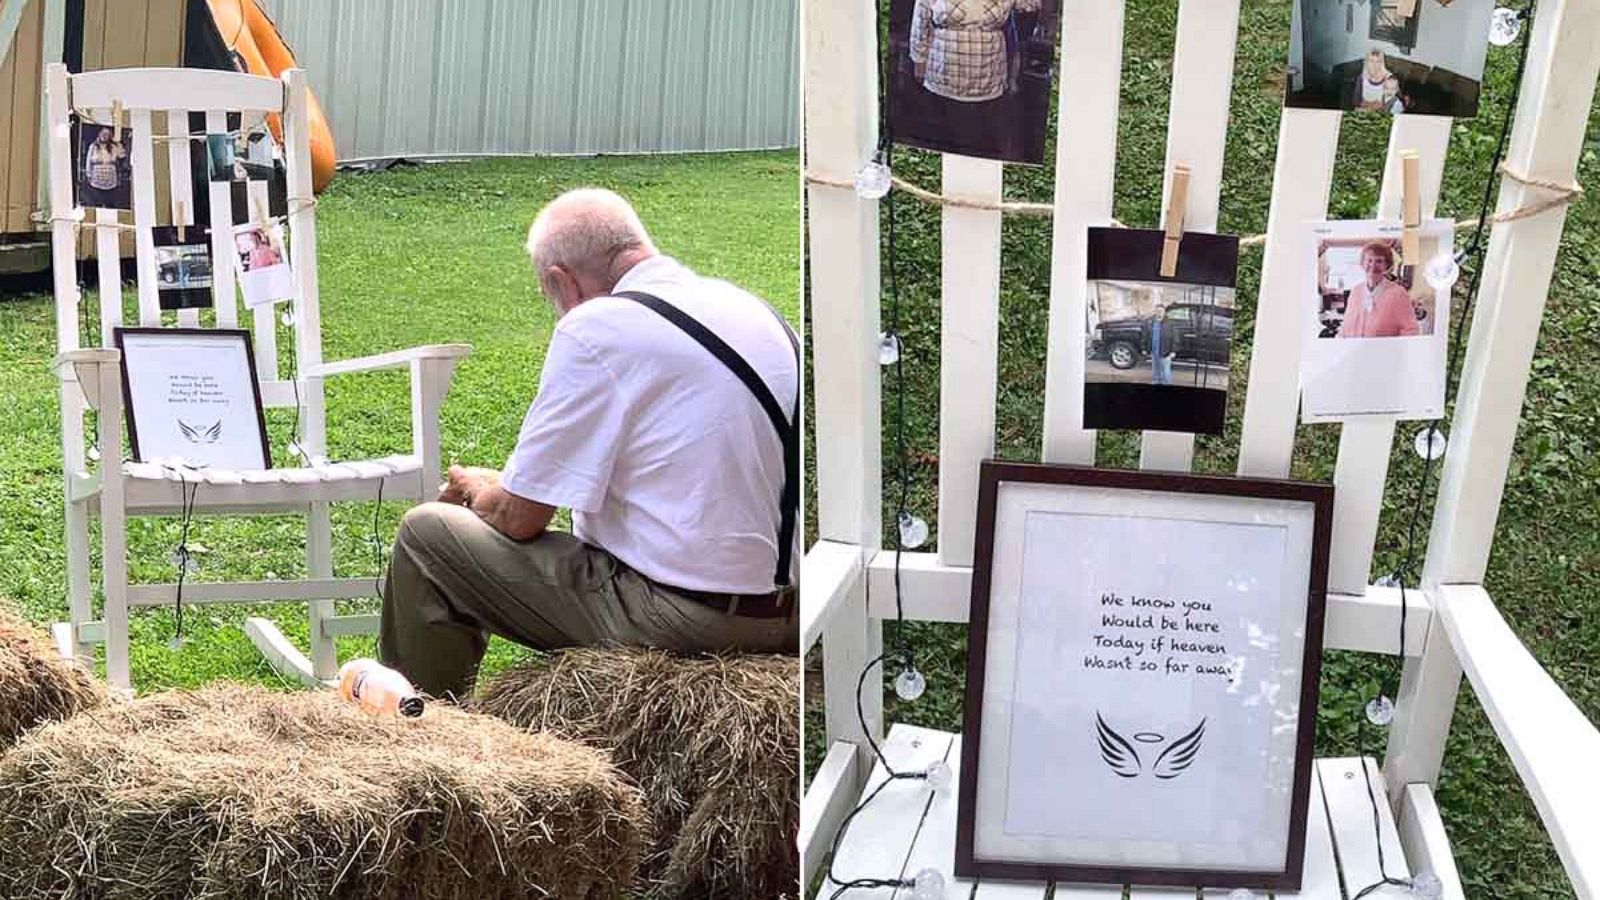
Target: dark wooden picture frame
995, 473
239, 334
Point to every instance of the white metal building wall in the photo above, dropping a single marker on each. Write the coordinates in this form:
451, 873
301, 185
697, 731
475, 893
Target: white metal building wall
437, 78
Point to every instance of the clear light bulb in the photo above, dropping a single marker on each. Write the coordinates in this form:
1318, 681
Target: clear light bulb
1388, 581
1504, 26
872, 180
1441, 272
287, 318
888, 348
938, 775
297, 451
176, 643
913, 530
1427, 886
909, 684
94, 452
1380, 711
1241, 894
1429, 443
928, 885
183, 559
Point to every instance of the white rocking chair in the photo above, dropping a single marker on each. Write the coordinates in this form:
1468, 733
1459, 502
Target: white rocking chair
91, 376
849, 584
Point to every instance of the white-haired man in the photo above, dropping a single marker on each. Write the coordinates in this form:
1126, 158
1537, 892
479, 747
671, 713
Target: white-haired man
666, 421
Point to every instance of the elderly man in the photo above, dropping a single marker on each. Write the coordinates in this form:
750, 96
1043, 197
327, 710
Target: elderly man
666, 421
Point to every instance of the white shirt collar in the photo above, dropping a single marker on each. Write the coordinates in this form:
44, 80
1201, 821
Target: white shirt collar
658, 266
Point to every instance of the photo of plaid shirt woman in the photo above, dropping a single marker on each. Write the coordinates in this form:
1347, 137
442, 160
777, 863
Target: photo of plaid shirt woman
961, 79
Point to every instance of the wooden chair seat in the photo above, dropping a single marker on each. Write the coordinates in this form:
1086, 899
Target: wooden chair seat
155, 489
910, 827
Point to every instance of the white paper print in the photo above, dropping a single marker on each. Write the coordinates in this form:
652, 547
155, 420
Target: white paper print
193, 398
1135, 665
1141, 697
264, 273
1375, 329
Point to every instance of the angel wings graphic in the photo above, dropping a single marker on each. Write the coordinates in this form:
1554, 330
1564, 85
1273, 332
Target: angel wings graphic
1124, 759
201, 434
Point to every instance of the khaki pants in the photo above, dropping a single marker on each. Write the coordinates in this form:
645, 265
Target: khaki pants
453, 580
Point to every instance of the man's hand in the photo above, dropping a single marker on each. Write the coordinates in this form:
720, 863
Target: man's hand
466, 482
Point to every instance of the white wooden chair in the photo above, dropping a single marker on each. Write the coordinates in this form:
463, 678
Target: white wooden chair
847, 586
91, 376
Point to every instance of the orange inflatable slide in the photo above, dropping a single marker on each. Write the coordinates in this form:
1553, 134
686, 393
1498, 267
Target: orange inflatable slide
250, 34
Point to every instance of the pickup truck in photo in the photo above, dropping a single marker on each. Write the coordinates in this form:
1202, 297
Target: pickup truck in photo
1205, 333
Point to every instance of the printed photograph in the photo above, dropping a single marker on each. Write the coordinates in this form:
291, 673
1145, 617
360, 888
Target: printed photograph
183, 268
264, 273
222, 158
1158, 348
1372, 54
1376, 326
972, 76
1369, 291
104, 167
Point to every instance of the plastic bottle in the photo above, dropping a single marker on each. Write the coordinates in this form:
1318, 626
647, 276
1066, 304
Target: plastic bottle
378, 689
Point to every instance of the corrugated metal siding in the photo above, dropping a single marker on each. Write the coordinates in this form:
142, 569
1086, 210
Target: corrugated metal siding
426, 78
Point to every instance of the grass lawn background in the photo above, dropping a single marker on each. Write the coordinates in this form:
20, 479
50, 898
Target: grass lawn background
430, 254
1545, 569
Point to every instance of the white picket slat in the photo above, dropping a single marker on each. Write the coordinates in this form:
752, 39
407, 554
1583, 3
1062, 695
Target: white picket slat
1362, 469
224, 292
108, 271
1319, 879
144, 216
1087, 892
841, 112
1091, 63
969, 348
181, 188
1307, 142
265, 317
1202, 85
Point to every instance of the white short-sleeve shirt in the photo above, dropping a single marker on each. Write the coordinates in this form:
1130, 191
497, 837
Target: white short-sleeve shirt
665, 458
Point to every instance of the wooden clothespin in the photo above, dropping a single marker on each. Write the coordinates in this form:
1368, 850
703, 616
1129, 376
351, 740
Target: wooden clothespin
1411, 207
182, 222
1177, 206
1407, 8
116, 121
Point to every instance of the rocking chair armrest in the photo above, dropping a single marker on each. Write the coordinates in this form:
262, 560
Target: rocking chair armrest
71, 360
392, 360
84, 368
1552, 744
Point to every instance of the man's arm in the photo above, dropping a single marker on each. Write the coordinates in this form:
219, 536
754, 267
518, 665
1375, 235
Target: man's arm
512, 516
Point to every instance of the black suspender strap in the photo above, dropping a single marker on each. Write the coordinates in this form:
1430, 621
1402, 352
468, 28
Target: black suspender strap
787, 426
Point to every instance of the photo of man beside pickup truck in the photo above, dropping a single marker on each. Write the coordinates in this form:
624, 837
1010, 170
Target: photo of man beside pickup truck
1157, 348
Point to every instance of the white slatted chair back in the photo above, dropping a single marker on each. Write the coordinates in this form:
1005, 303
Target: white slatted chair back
848, 584
156, 105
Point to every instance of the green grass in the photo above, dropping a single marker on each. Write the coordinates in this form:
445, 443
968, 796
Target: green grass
413, 256
1545, 569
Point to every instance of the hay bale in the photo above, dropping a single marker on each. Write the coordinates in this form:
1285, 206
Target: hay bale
714, 742
235, 791
36, 684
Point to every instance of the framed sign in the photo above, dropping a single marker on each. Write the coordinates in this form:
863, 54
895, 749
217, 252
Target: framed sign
1142, 669
192, 395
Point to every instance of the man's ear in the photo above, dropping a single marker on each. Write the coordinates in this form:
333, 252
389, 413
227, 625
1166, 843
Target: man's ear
561, 287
